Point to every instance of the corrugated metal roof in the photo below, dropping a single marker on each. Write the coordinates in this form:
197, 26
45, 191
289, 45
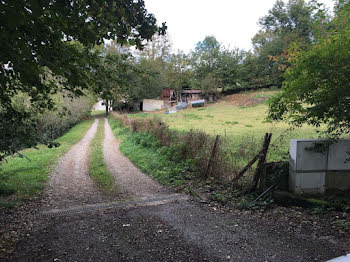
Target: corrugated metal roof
191, 91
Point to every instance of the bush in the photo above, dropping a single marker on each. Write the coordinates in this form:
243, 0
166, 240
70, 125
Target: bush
52, 124
27, 125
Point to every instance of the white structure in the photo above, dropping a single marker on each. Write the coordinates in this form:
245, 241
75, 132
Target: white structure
314, 172
345, 258
101, 105
152, 104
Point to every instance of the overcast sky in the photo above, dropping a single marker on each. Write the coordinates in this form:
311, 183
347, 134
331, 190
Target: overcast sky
232, 22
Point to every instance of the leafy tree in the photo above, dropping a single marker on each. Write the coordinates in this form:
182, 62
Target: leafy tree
35, 35
179, 71
229, 67
113, 76
205, 57
159, 48
152, 65
250, 72
317, 86
54, 36
213, 62
285, 24
210, 84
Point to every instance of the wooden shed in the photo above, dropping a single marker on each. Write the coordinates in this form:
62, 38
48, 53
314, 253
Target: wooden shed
168, 95
189, 95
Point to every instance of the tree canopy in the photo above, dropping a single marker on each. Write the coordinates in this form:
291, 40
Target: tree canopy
39, 34
39, 39
317, 86
287, 22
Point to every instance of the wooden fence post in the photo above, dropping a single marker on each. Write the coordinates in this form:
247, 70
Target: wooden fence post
211, 157
259, 169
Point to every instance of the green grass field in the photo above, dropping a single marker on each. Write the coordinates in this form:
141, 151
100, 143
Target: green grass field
236, 122
21, 178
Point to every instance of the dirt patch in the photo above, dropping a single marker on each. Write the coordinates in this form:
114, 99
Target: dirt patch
245, 99
131, 182
70, 184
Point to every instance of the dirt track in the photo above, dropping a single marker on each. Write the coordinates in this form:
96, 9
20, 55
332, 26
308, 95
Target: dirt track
160, 228
70, 184
132, 183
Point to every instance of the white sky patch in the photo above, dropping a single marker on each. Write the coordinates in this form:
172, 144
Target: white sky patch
232, 22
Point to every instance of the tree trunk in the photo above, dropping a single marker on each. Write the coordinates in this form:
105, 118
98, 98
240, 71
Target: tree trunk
107, 105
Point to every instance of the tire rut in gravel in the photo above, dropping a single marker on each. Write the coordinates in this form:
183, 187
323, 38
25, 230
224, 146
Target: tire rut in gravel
70, 184
131, 182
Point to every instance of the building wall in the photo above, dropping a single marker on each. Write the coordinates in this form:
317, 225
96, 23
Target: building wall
152, 104
312, 171
100, 105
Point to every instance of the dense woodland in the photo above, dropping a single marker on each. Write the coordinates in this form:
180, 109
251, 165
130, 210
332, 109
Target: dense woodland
301, 47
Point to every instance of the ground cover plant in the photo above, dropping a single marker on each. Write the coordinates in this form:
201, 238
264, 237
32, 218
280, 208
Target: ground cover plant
24, 177
97, 167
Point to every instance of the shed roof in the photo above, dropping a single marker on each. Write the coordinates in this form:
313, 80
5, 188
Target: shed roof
191, 91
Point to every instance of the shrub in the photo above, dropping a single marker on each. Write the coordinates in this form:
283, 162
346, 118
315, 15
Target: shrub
32, 125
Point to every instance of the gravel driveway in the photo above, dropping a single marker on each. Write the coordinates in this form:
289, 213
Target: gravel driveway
152, 229
70, 184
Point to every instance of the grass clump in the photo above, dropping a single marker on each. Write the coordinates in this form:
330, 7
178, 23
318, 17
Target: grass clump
97, 167
22, 178
144, 152
231, 122
343, 225
192, 116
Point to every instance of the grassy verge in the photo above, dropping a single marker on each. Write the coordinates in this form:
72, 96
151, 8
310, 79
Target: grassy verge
22, 178
144, 151
97, 167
